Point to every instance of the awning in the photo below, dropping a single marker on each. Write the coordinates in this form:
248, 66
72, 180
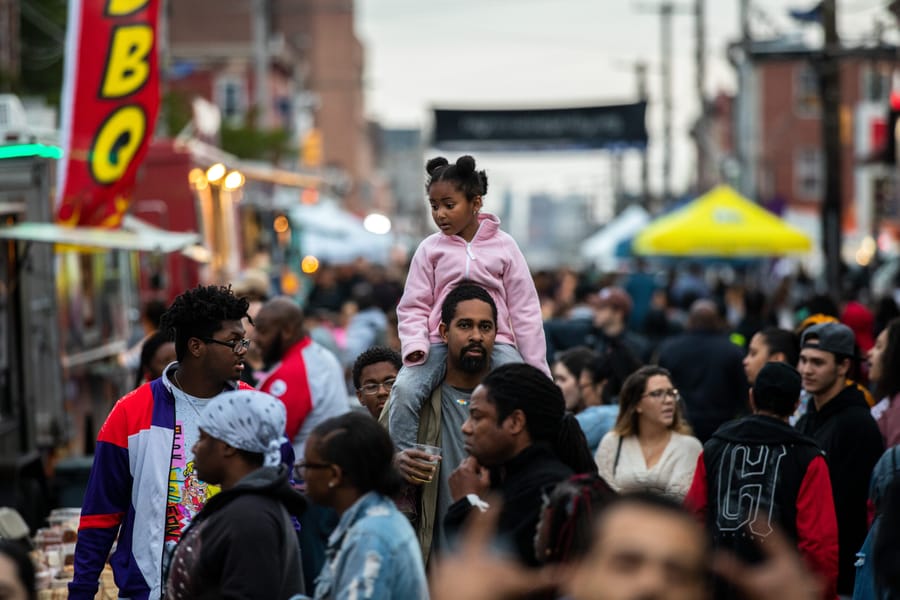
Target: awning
134, 235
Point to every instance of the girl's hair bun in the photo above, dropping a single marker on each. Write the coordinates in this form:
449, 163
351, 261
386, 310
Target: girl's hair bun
435, 163
466, 165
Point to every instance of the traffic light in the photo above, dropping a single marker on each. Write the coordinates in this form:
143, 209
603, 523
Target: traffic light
890, 147
311, 148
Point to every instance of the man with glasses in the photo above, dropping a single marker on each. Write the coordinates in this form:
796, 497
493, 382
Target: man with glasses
301, 373
143, 488
374, 373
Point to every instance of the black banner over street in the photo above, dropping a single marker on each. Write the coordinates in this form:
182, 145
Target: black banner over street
607, 127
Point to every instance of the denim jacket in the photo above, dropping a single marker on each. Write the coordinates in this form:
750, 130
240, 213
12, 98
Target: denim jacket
596, 421
372, 554
886, 469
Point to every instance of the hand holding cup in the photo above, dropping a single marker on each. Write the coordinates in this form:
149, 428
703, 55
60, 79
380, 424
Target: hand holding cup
419, 464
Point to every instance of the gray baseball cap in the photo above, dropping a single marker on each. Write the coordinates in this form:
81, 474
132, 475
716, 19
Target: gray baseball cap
836, 338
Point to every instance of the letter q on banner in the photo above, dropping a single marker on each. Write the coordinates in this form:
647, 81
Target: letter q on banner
109, 108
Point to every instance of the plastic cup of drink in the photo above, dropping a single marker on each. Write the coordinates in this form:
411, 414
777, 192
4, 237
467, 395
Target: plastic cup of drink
432, 450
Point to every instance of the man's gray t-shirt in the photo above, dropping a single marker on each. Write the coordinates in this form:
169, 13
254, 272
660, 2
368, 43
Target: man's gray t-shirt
454, 412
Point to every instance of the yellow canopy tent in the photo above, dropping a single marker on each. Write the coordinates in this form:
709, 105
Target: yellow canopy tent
720, 223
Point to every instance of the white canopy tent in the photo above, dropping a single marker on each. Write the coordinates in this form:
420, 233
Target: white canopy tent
600, 248
334, 235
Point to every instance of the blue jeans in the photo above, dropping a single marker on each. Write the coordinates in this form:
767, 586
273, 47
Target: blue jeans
415, 384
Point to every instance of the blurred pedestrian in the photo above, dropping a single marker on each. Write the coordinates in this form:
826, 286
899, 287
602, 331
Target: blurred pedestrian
470, 247
868, 584
753, 318
566, 369
373, 553
256, 287
306, 377
610, 331
309, 380
242, 543
884, 372
367, 327
651, 447
157, 352
707, 369
886, 552
17, 579
770, 345
600, 383
645, 546
151, 313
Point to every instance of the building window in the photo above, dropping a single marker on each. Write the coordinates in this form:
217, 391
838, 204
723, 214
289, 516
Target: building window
808, 181
806, 92
231, 96
876, 85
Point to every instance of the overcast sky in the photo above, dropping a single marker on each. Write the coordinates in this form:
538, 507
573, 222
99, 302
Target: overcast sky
556, 52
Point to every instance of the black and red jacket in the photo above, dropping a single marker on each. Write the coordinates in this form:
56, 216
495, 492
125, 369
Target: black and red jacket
759, 472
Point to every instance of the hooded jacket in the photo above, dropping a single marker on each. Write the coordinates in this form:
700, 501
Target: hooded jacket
847, 433
492, 260
242, 544
757, 472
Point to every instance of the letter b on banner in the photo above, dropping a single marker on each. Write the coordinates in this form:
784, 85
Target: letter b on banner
128, 66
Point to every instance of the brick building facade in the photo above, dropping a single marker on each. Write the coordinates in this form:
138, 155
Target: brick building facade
315, 75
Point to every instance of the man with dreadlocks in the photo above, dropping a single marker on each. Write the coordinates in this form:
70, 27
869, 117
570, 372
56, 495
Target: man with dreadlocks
520, 442
143, 487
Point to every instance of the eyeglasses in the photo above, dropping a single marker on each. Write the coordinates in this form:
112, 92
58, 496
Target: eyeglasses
370, 389
236, 345
661, 393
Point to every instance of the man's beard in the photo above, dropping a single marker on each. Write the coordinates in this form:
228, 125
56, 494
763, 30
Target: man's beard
473, 364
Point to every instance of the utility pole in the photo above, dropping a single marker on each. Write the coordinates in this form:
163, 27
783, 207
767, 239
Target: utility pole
701, 130
261, 61
745, 107
830, 93
665, 13
665, 10
164, 59
640, 72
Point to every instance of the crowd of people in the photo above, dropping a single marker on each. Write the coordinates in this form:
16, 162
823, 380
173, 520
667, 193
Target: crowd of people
479, 432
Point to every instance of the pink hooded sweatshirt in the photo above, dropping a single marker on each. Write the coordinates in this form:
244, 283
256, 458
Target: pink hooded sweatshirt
493, 260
